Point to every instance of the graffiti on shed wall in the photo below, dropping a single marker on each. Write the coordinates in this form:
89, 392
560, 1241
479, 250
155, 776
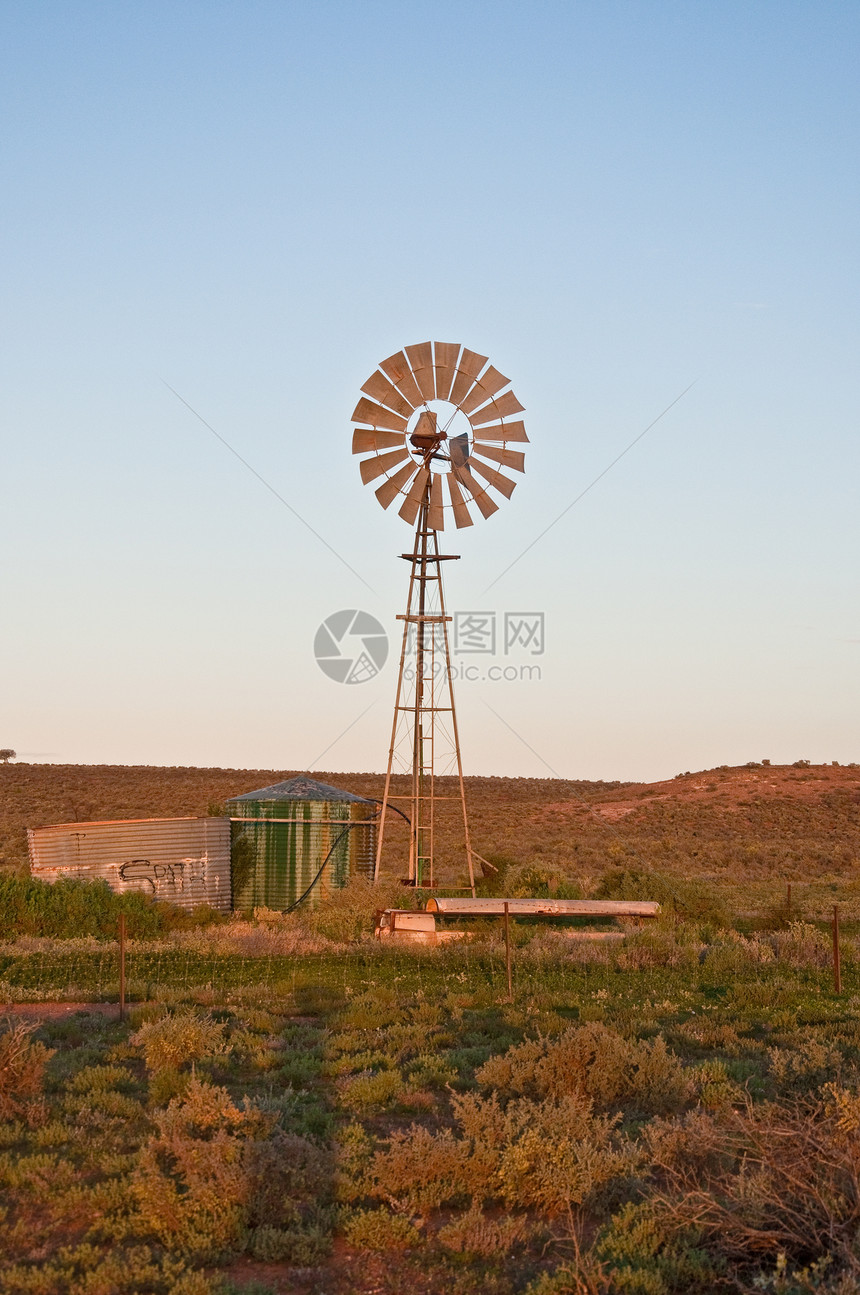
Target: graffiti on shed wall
183, 877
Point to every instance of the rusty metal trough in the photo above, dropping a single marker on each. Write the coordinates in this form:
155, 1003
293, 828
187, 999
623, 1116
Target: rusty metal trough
595, 908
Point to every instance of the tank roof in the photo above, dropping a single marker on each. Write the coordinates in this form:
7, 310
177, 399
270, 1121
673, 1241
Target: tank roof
301, 789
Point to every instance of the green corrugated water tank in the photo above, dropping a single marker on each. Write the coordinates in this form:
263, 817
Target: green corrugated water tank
282, 835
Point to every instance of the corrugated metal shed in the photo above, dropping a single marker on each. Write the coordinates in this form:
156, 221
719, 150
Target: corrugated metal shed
183, 860
284, 834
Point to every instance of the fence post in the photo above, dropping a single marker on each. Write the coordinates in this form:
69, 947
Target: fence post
508, 952
837, 968
122, 966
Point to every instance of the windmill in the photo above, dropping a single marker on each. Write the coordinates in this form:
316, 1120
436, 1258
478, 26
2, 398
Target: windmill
435, 423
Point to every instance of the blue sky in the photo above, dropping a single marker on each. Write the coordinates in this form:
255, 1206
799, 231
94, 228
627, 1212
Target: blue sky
255, 203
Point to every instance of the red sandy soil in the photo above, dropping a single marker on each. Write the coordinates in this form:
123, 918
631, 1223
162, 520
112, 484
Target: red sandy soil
57, 1011
699, 823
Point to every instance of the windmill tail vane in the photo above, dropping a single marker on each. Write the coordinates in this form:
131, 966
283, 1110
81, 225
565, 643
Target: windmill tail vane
435, 422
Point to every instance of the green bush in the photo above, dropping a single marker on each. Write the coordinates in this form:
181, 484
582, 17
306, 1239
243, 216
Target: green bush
648, 1257
348, 914
366, 1091
65, 909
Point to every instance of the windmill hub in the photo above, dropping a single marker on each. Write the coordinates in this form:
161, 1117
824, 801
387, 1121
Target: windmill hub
439, 436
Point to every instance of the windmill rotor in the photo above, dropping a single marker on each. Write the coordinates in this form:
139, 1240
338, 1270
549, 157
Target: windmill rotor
436, 420
437, 432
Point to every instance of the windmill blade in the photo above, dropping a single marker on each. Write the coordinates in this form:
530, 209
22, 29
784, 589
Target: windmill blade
364, 442
390, 489
398, 370
446, 367
435, 510
497, 480
458, 450
381, 389
478, 492
461, 512
469, 366
507, 458
421, 359
367, 412
412, 502
504, 432
501, 408
379, 463
487, 385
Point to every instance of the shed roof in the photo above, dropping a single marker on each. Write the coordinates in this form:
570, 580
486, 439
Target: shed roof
301, 788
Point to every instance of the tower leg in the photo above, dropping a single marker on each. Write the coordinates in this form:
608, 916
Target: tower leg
425, 718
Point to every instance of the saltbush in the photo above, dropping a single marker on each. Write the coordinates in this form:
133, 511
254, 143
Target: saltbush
366, 1091
177, 1039
596, 1062
477, 1233
379, 1229
215, 1172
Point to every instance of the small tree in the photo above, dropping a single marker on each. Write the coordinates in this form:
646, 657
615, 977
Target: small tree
6, 754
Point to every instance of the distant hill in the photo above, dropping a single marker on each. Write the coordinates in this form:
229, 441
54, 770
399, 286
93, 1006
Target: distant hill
750, 822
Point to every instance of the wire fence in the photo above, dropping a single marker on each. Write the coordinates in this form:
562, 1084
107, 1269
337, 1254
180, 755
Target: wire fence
314, 982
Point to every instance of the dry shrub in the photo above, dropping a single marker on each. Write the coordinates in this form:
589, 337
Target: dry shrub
214, 1172
22, 1072
735, 954
802, 945
431, 1071
660, 946
271, 935
477, 1233
595, 1061
352, 1063
709, 1035
555, 1154
764, 1181
180, 1038
420, 1170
